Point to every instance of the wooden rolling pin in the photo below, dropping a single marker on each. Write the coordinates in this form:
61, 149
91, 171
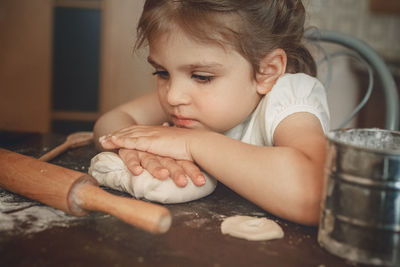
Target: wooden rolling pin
75, 192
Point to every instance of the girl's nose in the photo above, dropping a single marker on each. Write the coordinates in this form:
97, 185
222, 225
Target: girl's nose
177, 94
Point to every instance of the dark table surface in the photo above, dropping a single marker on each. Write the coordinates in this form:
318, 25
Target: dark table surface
32, 234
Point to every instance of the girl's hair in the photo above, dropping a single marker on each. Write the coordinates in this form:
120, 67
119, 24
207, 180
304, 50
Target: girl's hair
252, 27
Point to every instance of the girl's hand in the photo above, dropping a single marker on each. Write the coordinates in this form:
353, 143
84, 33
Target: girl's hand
162, 167
160, 140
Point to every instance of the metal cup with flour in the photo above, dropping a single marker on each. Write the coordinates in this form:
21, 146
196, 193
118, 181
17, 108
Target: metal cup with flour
360, 218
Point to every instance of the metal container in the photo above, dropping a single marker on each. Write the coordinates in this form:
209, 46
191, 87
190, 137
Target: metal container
360, 213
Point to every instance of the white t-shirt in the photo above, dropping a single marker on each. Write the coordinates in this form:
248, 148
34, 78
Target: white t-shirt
291, 93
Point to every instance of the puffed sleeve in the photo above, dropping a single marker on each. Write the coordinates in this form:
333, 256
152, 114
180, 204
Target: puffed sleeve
293, 93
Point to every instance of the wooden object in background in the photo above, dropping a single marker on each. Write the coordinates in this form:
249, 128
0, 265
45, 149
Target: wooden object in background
385, 6
124, 74
75, 192
25, 65
73, 140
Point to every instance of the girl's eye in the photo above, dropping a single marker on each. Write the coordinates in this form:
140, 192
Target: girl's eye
202, 78
162, 74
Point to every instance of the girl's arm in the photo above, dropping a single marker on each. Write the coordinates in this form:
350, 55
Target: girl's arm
285, 180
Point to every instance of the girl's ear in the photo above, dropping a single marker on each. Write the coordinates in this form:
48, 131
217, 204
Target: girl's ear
272, 66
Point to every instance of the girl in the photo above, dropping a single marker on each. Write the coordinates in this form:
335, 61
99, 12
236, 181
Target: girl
235, 88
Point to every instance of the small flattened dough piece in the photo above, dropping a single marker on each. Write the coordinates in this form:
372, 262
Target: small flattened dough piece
109, 170
251, 228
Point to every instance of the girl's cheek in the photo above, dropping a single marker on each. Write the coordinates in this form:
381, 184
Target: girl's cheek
162, 98
161, 82
161, 90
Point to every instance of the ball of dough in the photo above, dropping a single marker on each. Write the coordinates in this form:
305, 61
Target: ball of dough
251, 228
109, 170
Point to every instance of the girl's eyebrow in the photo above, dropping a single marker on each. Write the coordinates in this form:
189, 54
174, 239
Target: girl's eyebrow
153, 63
204, 65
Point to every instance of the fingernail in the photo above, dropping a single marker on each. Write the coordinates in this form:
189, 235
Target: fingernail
201, 180
138, 169
182, 180
102, 139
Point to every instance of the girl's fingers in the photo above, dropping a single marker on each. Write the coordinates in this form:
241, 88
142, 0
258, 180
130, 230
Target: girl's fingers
114, 141
152, 164
193, 172
141, 143
177, 173
125, 142
162, 167
107, 144
131, 160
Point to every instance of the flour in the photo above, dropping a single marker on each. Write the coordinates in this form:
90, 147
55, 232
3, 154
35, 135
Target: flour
372, 138
19, 215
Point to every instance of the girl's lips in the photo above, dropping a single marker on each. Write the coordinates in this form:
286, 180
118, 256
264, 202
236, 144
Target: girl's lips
182, 121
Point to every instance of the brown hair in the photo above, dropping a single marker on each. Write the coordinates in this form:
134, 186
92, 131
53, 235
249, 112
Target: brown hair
253, 27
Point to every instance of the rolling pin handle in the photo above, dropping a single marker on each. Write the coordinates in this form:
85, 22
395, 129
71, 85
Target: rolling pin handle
147, 216
74, 204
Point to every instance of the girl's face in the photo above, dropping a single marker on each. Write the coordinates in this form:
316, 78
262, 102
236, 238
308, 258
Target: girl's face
202, 86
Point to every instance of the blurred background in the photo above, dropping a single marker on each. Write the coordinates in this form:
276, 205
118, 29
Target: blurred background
65, 62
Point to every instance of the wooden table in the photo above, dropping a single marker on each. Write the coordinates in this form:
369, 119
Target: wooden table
194, 239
